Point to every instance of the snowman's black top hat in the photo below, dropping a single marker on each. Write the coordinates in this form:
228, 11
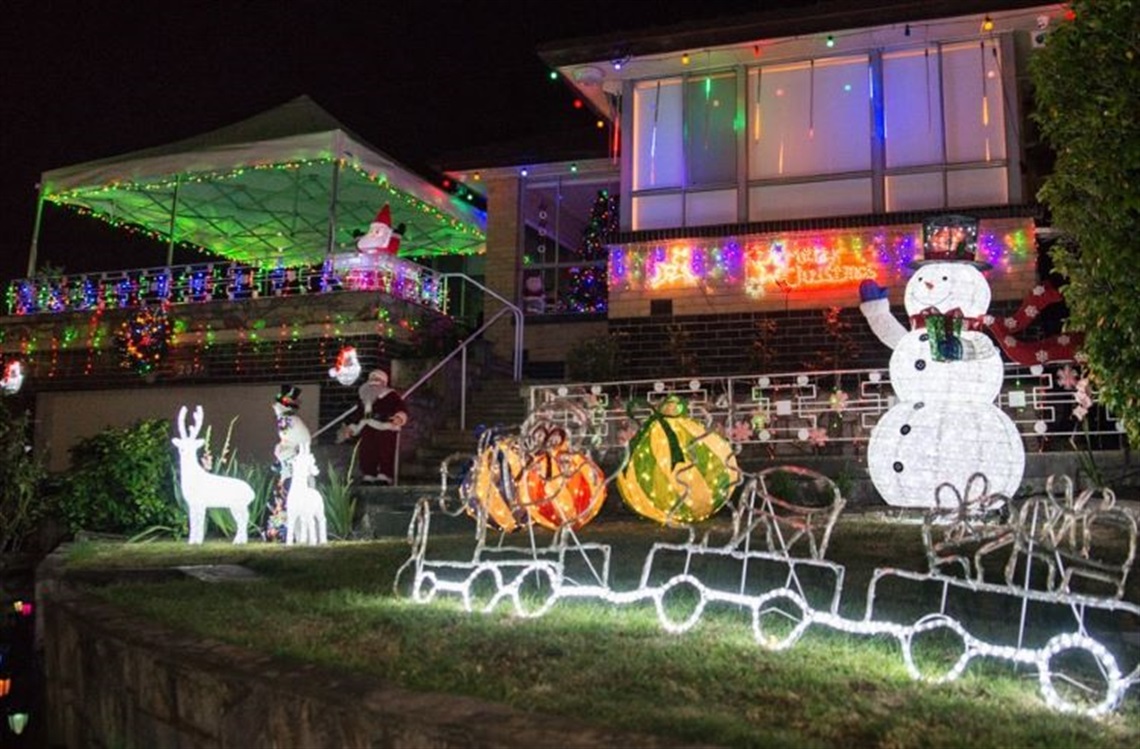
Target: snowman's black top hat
950, 239
290, 397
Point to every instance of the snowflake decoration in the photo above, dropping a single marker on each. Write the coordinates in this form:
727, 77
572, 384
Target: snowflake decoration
1067, 377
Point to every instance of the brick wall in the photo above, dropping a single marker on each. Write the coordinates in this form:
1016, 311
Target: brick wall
113, 679
747, 342
501, 267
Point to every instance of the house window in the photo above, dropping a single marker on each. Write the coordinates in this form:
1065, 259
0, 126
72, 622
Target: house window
684, 160
944, 127
822, 139
809, 139
564, 258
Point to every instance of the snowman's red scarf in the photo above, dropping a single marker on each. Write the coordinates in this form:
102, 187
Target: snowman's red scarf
1063, 347
918, 322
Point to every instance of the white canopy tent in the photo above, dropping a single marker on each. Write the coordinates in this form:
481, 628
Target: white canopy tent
286, 187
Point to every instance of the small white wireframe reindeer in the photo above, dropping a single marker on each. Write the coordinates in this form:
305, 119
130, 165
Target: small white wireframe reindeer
202, 489
304, 505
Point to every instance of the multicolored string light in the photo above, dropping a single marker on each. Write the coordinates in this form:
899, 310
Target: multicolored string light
761, 263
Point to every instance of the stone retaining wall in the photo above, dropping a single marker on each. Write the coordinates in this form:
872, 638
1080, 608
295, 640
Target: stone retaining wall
114, 680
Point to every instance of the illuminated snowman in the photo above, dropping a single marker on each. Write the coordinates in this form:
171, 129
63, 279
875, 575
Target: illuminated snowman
946, 374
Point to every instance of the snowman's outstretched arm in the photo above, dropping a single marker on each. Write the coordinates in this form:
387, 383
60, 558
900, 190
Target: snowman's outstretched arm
877, 309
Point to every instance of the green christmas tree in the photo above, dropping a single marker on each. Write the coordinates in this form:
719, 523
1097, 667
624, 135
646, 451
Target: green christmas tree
587, 290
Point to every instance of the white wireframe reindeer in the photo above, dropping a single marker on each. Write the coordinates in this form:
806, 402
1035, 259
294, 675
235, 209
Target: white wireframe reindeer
304, 506
202, 489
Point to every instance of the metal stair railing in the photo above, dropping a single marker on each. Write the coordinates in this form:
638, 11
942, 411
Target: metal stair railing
460, 351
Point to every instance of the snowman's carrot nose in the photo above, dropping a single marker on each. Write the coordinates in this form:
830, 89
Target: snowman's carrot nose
929, 284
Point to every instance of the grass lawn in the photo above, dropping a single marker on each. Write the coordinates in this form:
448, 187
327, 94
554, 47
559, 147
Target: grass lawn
616, 665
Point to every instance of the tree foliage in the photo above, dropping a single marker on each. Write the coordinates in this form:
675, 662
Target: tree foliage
21, 480
1087, 88
122, 481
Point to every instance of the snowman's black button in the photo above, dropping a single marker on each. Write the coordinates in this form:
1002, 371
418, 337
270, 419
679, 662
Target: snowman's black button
924, 337
905, 429
898, 467
920, 364
919, 405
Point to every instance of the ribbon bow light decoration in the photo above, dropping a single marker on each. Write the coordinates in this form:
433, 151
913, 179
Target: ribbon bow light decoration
561, 486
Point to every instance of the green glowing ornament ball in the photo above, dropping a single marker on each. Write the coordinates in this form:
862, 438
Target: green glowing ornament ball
678, 471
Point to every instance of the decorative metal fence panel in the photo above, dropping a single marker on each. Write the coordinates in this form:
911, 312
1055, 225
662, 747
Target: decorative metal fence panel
807, 411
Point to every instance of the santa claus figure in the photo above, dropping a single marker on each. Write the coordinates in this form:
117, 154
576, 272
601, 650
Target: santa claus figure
376, 422
381, 239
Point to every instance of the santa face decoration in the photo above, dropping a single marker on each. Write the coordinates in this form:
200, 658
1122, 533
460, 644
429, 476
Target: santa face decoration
13, 378
347, 369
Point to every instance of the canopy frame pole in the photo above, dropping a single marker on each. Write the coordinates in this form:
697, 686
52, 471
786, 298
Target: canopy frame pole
173, 219
33, 251
333, 196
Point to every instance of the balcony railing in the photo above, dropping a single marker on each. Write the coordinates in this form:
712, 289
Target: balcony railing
219, 281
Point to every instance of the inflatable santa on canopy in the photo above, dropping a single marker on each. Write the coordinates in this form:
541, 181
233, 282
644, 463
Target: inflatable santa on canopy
381, 238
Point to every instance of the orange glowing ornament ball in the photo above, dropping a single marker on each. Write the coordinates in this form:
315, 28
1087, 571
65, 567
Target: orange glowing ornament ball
678, 471
560, 486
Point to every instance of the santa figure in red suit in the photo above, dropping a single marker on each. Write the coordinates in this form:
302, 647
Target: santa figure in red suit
381, 239
376, 422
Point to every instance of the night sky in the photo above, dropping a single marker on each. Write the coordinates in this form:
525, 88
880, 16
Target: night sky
415, 79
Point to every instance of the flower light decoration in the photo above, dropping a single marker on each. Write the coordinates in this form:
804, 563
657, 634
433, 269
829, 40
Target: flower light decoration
347, 368
946, 373
13, 377
678, 470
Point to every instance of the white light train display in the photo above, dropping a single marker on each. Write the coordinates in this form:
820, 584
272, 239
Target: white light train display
773, 556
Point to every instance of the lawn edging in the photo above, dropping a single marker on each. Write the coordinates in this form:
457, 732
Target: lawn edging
115, 679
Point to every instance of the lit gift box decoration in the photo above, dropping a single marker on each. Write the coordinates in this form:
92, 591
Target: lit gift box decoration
679, 471
561, 486
490, 485
541, 479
